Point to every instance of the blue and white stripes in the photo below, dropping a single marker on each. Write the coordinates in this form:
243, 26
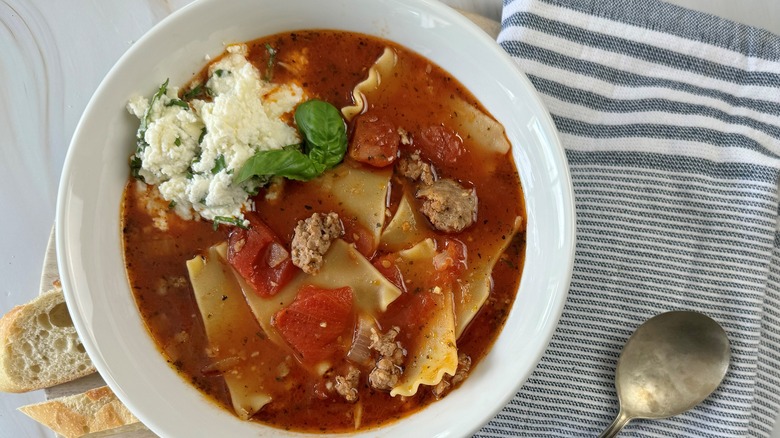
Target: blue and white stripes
671, 123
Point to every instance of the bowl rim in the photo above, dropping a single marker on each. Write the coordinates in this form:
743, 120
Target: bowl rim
63, 222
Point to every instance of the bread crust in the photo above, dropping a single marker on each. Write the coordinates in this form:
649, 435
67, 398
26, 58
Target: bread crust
94, 411
16, 328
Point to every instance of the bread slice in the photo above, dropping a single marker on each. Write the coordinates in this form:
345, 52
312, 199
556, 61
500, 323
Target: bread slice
39, 346
97, 412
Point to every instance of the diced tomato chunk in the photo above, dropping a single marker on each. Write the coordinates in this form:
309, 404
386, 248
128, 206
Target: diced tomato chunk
450, 263
314, 321
374, 141
260, 256
359, 236
386, 265
412, 310
439, 144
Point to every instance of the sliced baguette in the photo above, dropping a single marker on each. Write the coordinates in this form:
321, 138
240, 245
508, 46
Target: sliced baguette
97, 412
39, 346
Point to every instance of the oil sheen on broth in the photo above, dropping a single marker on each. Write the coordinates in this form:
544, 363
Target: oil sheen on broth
455, 285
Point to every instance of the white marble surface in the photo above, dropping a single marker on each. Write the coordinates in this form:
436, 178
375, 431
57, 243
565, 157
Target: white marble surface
53, 55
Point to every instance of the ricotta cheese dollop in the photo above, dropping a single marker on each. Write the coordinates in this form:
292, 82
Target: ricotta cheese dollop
190, 150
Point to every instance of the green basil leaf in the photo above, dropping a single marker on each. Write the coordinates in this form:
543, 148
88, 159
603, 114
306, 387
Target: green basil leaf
323, 130
289, 163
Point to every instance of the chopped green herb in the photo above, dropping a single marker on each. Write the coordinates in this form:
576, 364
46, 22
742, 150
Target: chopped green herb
178, 102
508, 262
253, 191
198, 92
177, 142
228, 221
220, 72
202, 135
269, 68
189, 173
140, 140
219, 164
135, 168
171, 205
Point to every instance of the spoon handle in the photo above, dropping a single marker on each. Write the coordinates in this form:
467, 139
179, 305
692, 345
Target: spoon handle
621, 420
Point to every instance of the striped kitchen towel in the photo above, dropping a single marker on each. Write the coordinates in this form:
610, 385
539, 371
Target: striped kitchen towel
671, 123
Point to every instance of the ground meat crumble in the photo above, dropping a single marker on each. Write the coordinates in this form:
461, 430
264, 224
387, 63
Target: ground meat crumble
312, 239
346, 386
388, 370
415, 169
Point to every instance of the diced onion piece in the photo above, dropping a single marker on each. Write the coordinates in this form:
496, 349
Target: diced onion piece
442, 261
221, 365
360, 353
358, 414
277, 254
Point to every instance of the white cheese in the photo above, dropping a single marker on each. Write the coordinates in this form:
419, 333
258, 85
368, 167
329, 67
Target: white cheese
246, 115
172, 136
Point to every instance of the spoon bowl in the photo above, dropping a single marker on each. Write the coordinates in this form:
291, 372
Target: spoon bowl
670, 364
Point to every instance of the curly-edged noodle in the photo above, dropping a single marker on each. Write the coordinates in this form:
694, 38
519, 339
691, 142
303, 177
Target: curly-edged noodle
474, 291
435, 353
382, 67
470, 122
407, 228
221, 304
360, 192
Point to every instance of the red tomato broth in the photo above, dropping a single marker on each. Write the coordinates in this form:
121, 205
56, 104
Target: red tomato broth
416, 99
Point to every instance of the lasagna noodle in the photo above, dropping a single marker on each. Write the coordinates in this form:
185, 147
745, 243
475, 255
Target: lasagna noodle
470, 122
407, 228
435, 353
473, 292
362, 193
381, 68
221, 304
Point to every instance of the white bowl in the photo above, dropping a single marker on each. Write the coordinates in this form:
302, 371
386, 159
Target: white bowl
96, 170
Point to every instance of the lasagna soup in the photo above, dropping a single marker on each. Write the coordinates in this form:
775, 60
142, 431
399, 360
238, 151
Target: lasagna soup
323, 231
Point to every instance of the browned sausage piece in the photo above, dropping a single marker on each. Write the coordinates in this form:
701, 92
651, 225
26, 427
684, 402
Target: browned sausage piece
450, 207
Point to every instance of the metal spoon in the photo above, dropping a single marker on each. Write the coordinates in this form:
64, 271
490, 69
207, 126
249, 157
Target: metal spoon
670, 364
